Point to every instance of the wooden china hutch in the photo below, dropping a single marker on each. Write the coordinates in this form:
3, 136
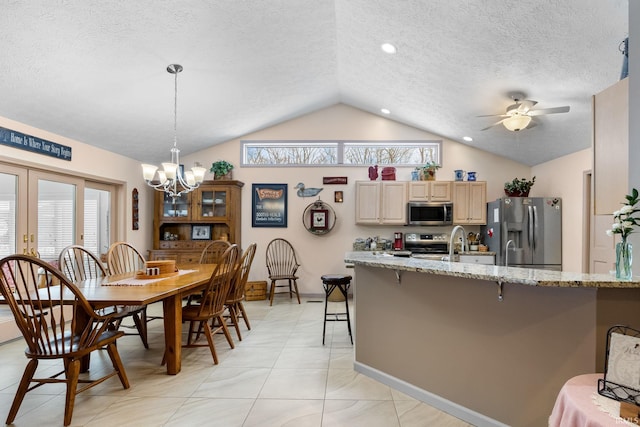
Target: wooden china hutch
184, 226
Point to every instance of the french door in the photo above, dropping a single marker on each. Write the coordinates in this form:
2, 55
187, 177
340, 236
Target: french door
41, 213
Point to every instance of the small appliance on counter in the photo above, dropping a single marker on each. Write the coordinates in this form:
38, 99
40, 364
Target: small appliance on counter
397, 241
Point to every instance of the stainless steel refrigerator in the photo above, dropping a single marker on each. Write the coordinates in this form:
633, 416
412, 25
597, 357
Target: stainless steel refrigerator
532, 228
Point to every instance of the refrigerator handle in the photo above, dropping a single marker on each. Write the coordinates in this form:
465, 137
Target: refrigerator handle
535, 227
530, 229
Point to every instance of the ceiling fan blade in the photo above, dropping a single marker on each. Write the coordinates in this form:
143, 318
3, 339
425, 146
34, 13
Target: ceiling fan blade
495, 124
526, 105
494, 115
554, 110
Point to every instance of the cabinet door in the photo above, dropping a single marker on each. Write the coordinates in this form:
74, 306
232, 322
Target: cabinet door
440, 191
460, 202
178, 208
477, 203
212, 203
419, 191
367, 202
470, 203
393, 202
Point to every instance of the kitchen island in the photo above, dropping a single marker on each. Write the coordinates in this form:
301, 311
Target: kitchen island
491, 345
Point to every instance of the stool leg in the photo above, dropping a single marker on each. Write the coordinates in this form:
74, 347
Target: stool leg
345, 291
324, 323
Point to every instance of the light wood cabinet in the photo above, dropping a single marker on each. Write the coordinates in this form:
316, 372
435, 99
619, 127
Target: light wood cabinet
381, 202
184, 226
430, 191
470, 202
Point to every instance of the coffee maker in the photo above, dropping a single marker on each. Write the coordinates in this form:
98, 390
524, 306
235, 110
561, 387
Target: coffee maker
397, 241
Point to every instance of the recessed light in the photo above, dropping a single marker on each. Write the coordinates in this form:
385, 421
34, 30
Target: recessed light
467, 138
385, 111
388, 48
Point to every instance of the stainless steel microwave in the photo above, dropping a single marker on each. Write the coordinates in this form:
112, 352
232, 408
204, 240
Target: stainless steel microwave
429, 213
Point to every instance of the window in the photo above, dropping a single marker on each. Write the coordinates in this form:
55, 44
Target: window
331, 153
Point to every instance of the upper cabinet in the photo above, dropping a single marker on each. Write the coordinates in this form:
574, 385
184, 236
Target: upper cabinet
610, 146
430, 191
381, 202
470, 202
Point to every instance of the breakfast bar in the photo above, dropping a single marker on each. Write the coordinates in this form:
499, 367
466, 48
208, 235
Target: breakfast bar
491, 345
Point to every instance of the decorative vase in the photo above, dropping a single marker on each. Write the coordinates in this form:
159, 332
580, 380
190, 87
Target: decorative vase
430, 174
624, 259
228, 176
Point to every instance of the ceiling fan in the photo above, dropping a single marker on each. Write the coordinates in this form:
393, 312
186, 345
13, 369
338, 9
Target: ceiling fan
518, 116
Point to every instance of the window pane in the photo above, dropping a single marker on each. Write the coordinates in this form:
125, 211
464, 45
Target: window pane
56, 218
390, 153
290, 153
97, 228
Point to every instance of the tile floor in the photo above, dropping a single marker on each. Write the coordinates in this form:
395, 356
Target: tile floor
280, 374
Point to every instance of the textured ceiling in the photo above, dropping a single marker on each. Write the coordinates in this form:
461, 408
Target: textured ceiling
95, 71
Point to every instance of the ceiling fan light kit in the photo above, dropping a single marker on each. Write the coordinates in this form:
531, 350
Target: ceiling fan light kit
516, 123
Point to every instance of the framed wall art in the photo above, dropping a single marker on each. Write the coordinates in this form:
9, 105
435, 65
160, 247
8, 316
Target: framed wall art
201, 232
319, 219
269, 205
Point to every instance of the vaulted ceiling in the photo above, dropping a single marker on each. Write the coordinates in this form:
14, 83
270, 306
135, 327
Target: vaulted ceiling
95, 71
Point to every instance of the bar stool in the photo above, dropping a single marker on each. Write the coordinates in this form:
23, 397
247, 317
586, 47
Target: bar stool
330, 282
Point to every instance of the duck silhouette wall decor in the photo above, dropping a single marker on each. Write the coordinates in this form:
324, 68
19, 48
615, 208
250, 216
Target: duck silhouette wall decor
306, 192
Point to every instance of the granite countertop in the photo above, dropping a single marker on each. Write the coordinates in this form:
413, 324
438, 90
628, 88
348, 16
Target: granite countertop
524, 276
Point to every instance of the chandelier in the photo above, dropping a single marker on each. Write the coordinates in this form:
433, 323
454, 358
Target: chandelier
171, 179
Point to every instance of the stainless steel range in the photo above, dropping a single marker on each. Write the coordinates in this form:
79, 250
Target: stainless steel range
427, 245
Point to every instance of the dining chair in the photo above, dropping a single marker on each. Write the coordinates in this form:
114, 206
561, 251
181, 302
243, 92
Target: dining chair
213, 250
57, 322
282, 266
78, 263
122, 257
236, 293
208, 313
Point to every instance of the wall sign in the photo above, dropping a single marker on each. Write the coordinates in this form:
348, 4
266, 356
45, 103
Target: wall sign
269, 205
26, 142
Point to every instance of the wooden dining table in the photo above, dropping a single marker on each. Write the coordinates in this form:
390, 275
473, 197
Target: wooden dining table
104, 292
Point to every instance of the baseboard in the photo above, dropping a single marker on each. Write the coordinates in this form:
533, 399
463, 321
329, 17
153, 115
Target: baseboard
458, 411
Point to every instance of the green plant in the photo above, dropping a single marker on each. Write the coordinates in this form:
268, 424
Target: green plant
431, 165
519, 187
221, 168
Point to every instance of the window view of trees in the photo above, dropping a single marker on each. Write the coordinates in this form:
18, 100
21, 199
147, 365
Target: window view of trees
300, 153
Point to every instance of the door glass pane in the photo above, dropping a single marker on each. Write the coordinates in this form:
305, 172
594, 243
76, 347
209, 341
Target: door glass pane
56, 218
8, 196
97, 216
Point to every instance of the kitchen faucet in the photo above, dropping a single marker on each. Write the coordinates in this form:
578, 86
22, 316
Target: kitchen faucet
453, 234
506, 252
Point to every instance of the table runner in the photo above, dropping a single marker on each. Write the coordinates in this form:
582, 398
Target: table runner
132, 281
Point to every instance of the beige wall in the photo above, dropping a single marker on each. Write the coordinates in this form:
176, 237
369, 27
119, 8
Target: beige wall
563, 177
93, 163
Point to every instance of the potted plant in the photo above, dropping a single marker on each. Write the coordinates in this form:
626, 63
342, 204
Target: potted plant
519, 187
429, 171
221, 169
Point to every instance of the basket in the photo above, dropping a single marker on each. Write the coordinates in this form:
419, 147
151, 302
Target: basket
158, 269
